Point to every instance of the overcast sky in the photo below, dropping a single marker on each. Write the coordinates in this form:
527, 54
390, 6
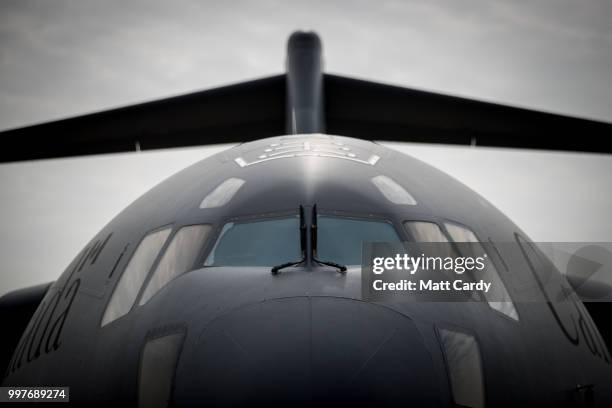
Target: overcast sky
61, 58
64, 57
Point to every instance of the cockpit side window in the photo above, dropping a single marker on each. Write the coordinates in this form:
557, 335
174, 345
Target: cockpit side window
179, 258
429, 232
497, 297
133, 276
263, 242
158, 363
460, 233
424, 231
464, 366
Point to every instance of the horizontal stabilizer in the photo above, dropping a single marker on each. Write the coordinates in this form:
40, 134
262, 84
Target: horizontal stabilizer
249, 110
257, 109
370, 110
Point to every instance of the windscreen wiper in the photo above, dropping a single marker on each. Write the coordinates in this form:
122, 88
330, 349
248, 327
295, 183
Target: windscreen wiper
313, 246
277, 268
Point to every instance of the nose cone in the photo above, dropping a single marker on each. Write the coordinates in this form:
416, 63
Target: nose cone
308, 351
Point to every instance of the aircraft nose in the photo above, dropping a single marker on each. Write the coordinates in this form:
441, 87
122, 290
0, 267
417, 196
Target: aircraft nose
309, 351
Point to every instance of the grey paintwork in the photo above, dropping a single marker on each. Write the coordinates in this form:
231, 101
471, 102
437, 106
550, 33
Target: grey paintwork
305, 335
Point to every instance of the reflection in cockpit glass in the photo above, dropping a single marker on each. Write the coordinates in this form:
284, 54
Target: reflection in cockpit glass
274, 241
340, 239
264, 242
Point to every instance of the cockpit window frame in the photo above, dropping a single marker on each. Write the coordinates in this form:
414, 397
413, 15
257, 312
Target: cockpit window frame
496, 265
163, 252
441, 222
217, 227
156, 260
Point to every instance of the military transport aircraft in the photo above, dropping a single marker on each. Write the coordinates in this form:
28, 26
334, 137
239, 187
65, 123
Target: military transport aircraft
236, 282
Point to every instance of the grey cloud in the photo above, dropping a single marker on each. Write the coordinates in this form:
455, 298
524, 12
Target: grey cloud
63, 58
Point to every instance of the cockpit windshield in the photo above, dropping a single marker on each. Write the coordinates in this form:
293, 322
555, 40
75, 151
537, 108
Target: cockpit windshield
274, 241
340, 239
263, 242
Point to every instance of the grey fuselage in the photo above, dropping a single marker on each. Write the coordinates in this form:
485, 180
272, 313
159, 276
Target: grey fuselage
304, 336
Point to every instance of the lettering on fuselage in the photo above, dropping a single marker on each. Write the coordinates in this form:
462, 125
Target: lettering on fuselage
582, 326
43, 334
125, 248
